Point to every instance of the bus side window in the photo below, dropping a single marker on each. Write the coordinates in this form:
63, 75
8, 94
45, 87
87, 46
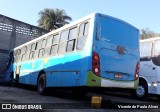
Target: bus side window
83, 32
146, 50
48, 45
63, 42
31, 55
70, 45
157, 48
24, 49
41, 50
71, 42
54, 49
18, 55
55, 39
55, 42
28, 51
37, 47
15, 55
156, 56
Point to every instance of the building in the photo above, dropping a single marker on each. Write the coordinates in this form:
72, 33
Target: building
12, 34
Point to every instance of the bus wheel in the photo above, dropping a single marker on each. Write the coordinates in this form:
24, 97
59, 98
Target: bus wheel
142, 91
41, 84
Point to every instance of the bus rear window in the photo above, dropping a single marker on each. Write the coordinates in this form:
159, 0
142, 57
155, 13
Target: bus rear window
118, 33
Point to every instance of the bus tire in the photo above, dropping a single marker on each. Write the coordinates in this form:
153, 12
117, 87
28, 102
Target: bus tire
142, 91
41, 84
11, 80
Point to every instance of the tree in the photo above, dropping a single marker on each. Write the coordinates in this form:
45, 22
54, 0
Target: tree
52, 19
146, 33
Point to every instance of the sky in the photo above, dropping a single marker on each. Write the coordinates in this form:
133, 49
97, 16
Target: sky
140, 13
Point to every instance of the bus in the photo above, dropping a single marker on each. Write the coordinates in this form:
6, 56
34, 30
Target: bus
96, 51
149, 73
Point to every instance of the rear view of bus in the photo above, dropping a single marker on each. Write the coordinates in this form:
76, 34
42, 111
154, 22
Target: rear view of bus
115, 55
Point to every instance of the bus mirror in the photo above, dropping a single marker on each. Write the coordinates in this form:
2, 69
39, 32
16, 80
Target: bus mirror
156, 60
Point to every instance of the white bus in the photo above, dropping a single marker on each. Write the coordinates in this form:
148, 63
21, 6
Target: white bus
149, 74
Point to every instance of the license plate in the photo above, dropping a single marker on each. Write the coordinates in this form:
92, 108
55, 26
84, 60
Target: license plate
118, 76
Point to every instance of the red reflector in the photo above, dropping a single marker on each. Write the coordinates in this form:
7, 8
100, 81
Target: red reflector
95, 64
96, 57
136, 75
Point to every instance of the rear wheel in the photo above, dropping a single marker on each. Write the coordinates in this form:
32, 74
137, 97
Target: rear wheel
41, 84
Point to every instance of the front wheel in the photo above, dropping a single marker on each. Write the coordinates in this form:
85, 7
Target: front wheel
142, 91
41, 84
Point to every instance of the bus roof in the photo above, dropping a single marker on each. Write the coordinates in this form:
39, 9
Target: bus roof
57, 30
117, 20
150, 39
71, 24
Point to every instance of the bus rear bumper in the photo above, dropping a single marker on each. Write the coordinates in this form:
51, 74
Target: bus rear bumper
96, 81
119, 84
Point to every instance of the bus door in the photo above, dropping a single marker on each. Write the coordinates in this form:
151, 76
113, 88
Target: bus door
147, 67
17, 73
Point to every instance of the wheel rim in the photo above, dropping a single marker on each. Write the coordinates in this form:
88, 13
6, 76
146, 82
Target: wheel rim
140, 91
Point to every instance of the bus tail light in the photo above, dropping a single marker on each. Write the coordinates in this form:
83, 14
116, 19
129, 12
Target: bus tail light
95, 64
137, 71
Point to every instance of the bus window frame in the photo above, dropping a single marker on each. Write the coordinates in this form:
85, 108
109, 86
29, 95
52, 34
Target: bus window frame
84, 37
24, 53
33, 47
156, 57
72, 39
55, 44
147, 58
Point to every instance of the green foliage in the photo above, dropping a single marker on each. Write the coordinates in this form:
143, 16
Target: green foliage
52, 19
146, 33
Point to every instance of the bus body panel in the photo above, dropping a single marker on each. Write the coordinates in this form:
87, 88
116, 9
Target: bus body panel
117, 56
149, 67
60, 71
